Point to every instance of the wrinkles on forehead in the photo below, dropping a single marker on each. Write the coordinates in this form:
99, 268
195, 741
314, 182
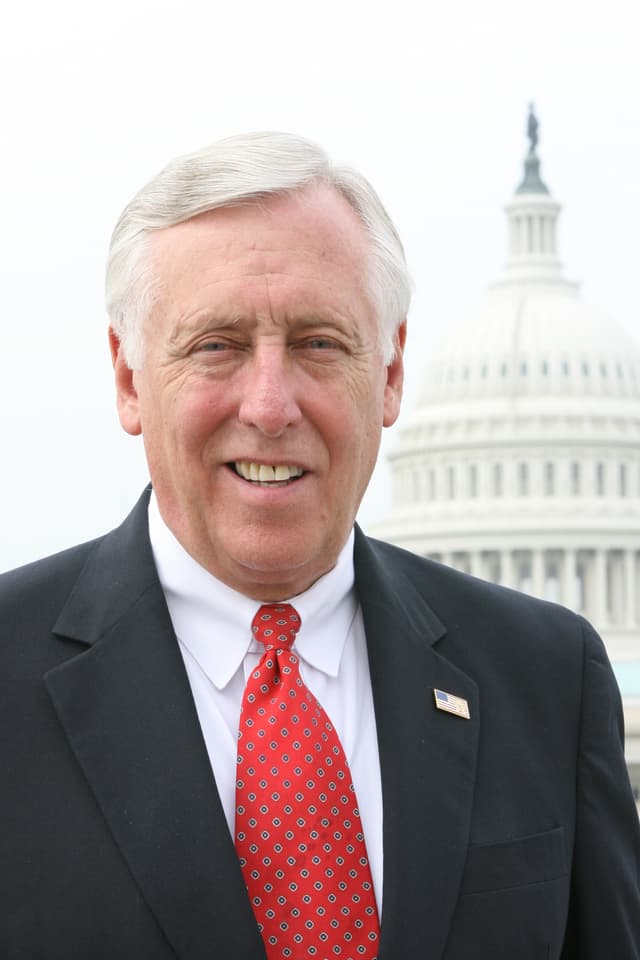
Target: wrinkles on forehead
218, 269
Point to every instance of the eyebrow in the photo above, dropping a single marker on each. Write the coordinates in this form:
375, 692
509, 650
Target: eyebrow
202, 321
210, 320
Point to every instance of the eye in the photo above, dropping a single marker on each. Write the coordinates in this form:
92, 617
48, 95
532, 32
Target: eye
213, 346
322, 343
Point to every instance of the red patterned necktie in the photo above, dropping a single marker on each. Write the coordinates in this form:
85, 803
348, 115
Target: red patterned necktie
298, 831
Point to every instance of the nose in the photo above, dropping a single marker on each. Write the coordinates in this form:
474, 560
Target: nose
269, 400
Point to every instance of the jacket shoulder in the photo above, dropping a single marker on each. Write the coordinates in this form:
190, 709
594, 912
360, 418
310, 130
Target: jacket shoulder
27, 587
470, 607
113, 557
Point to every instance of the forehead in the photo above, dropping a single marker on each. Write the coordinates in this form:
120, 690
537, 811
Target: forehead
312, 234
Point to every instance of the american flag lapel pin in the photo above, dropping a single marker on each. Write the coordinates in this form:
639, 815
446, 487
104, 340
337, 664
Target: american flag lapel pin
449, 703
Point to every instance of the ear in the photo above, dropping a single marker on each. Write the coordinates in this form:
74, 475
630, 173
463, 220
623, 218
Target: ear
395, 378
126, 393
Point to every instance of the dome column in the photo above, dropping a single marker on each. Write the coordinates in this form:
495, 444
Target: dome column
630, 588
599, 612
569, 594
537, 573
507, 578
615, 580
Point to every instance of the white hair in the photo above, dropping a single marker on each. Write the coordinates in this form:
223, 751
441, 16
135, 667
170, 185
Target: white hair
238, 170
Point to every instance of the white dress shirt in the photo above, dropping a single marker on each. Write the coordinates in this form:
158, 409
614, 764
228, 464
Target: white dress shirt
213, 625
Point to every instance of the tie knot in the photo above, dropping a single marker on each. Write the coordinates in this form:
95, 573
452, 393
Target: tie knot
276, 625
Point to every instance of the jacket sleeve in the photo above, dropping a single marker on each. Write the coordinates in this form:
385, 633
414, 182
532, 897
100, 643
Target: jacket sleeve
604, 919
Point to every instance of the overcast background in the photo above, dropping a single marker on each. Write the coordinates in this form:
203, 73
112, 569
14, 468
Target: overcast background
429, 100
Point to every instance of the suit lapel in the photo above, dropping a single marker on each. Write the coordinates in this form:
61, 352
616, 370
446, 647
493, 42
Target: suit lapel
427, 760
125, 704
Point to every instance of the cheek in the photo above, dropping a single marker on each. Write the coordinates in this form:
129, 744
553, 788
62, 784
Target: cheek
194, 415
353, 431
367, 411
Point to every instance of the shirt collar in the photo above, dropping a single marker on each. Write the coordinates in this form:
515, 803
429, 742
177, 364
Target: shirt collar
213, 621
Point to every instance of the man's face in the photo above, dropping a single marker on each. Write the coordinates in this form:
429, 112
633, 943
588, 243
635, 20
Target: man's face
263, 391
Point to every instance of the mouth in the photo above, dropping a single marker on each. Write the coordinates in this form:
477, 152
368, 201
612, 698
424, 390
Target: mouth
266, 475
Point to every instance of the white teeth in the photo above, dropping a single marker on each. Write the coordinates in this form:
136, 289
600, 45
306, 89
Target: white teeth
266, 473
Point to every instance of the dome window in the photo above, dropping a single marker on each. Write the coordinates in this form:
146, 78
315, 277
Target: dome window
565, 368
603, 370
622, 479
545, 368
473, 480
497, 479
600, 479
484, 370
432, 484
585, 368
503, 370
575, 479
524, 368
549, 479
451, 482
523, 479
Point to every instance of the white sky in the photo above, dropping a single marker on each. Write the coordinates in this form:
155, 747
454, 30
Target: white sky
428, 100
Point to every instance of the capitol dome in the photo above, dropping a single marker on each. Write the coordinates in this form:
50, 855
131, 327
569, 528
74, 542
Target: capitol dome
534, 341
521, 462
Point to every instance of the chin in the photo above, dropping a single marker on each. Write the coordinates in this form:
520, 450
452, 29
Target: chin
276, 562
289, 566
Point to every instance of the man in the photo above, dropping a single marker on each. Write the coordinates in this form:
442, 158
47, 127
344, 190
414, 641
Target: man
172, 786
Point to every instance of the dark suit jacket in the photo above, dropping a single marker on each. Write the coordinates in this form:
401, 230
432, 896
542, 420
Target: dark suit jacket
509, 835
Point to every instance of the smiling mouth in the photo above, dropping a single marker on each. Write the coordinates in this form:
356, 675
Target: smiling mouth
266, 474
